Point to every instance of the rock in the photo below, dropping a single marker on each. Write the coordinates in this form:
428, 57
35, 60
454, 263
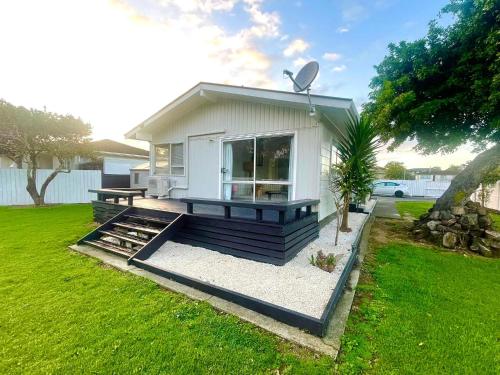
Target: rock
434, 215
456, 226
492, 235
473, 205
424, 216
495, 245
484, 221
484, 251
457, 210
469, 219
432, 225
449, 240
445, 215
441, 228
449, 222
482, 211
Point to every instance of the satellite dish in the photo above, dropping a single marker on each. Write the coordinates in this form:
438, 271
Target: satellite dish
306, 76
304, 79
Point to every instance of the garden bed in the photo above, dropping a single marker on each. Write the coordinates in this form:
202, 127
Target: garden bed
295, 288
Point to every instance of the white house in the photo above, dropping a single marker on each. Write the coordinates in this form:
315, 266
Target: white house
232, 142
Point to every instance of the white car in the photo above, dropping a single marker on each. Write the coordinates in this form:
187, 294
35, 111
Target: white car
390, 188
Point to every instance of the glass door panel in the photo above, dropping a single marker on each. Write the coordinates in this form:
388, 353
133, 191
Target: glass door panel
272, 162
271, 192
238, 160
238, 191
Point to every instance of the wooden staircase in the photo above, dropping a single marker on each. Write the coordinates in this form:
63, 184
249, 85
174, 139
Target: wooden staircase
132, 230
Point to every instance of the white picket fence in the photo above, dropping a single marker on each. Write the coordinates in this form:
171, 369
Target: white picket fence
65, 188
423, 188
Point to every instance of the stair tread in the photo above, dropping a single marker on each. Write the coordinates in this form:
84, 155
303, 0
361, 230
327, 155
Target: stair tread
110, 247
124, 237
137, 227
149, 218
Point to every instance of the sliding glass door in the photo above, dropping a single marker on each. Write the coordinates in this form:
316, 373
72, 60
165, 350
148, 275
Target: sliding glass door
258, 168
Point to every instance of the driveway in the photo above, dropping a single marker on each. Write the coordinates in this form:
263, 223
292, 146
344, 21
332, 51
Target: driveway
386, 207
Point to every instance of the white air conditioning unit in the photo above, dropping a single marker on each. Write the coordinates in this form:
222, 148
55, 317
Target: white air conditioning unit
158, 186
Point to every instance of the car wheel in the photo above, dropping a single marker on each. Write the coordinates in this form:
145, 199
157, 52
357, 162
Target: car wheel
398, 194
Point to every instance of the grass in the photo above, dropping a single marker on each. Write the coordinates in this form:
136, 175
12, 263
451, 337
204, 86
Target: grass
417, 208
66, 313
413, 208
420, 310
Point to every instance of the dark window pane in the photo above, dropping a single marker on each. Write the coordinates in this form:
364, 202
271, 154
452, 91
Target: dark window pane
266, 192
273, 158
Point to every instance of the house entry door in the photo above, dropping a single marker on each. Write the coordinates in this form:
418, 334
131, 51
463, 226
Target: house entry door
258, 168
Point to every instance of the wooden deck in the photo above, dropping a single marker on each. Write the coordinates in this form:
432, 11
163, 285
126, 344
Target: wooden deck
275, 236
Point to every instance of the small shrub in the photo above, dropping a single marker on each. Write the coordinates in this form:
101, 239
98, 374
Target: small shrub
325, 262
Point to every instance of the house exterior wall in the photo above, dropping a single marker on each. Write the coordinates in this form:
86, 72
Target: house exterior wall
327, 206
141, 180
233, 118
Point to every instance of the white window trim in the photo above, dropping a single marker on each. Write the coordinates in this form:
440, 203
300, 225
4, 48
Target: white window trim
183, 166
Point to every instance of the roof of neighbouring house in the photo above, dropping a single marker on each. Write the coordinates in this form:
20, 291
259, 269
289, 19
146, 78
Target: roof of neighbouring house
141, 167
331, 109
113, 147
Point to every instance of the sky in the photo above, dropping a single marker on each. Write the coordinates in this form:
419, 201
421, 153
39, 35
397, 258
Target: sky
114, 63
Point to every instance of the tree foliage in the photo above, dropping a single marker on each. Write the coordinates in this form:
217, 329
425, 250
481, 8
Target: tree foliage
354, 172
444, 89
25, 134
395, 170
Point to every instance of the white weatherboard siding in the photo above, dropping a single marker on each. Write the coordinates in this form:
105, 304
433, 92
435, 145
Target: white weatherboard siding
65, 188
228, 118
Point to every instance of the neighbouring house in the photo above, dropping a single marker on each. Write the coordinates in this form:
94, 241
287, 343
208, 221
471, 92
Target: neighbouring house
243, 143
433, 174
139, 175
115, 160
44, 162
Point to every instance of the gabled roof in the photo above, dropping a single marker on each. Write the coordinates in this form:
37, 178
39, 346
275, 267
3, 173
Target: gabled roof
331, 109
113, 147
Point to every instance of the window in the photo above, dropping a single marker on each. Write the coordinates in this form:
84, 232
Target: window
136, 178
169, 159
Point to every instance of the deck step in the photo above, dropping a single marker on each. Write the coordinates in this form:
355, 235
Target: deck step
149, 219
136, 227
107, 246
124, 237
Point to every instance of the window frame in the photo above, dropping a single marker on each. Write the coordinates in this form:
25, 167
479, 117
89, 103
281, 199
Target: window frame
170, 165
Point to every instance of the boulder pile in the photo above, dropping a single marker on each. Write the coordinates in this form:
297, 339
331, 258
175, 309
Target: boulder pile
461, 227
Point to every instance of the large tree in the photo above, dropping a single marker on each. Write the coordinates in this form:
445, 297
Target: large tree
26, 134
444, 90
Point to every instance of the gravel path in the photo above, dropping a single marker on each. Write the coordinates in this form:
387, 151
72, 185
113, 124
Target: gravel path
297, 285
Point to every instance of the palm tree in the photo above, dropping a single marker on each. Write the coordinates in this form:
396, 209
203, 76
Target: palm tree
353, 175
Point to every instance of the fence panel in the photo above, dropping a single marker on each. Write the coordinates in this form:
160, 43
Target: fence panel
423, 188
65, 188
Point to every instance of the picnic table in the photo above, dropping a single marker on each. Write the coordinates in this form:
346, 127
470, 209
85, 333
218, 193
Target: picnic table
116, 194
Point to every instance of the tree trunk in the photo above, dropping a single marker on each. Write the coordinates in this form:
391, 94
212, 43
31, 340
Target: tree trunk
345, 214
467, 181
31, 186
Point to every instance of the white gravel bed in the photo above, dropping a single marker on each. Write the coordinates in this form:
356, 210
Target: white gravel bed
297, 285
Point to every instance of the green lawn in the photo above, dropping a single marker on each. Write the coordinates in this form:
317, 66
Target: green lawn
424, 311
413, 208
65, 313
417, 208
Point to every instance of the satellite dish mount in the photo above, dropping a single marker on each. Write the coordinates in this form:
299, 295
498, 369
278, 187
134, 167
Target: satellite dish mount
303, 80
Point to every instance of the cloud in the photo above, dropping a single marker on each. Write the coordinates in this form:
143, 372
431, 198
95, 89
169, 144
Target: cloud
114, 65
339, 68
343, 30
332, 56
204, 6
266, 24
295, 47
300, 62
353, 11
